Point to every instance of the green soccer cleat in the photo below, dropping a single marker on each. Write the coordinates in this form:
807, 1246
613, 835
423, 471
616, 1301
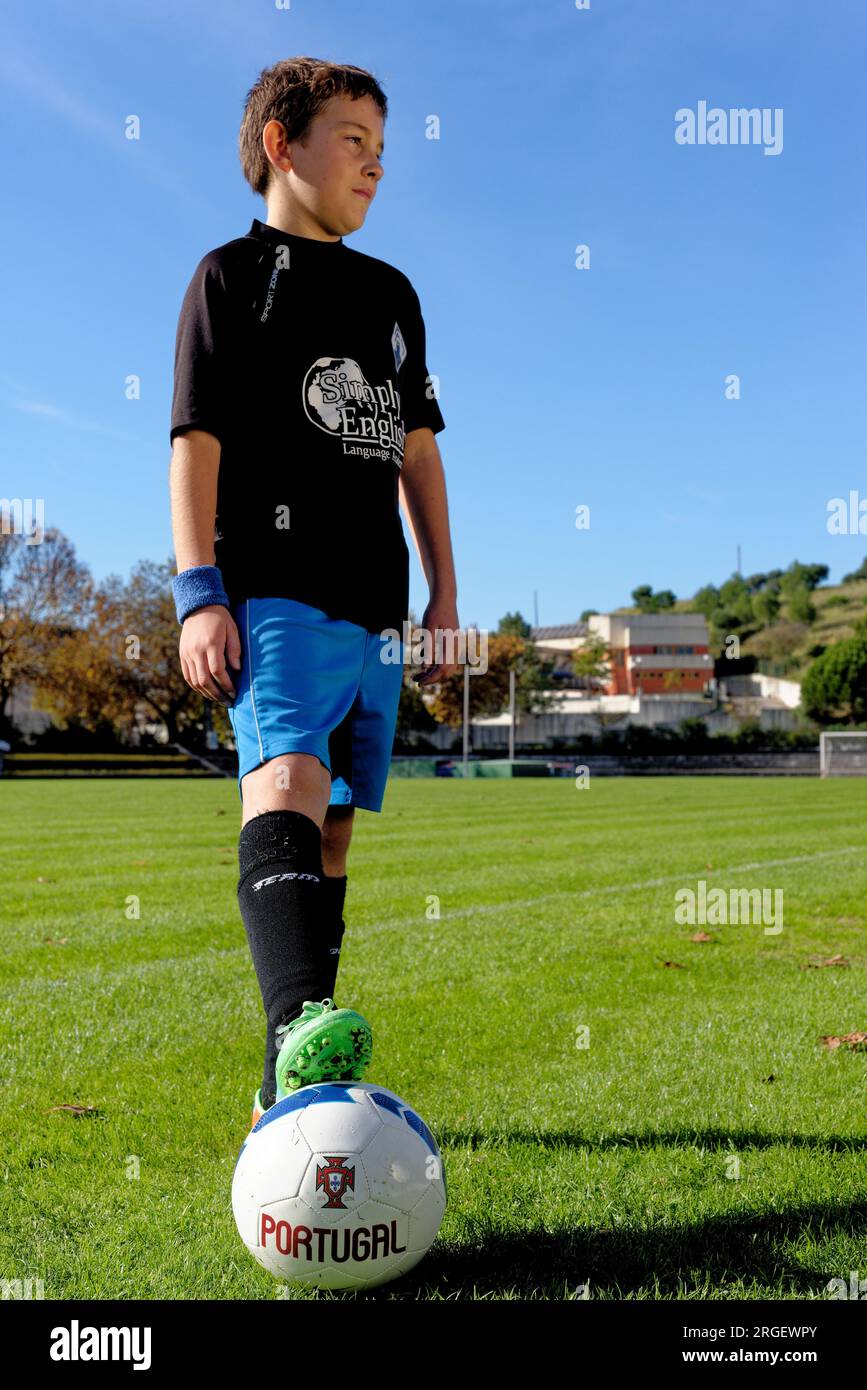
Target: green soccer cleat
323, 1044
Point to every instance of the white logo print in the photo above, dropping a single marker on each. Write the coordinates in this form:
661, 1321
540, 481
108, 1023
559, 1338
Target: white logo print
272, 285
278, 878
339, 400
398, 347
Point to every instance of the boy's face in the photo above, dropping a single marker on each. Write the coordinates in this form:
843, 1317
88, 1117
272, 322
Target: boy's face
341, 156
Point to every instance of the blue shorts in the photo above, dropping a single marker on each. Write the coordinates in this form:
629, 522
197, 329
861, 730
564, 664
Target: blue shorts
313, 684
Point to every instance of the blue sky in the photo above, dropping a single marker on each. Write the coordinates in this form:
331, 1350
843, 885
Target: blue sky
559, 386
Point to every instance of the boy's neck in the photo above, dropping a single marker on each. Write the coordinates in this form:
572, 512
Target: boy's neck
295, 220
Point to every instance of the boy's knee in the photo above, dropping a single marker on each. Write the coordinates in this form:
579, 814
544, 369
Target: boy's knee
290, 781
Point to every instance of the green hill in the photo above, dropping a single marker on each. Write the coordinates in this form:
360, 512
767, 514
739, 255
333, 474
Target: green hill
787, 645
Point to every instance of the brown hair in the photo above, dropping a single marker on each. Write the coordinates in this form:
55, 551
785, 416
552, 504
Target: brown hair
293, 91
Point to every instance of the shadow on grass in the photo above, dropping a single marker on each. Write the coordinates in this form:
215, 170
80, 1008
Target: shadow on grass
619, 1262
631, 1258
726, 1140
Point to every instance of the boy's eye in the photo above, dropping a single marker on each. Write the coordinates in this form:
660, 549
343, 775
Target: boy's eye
361, 142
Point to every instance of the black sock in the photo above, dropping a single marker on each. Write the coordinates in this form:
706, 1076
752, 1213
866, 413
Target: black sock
282, 903
332, 935
335, 888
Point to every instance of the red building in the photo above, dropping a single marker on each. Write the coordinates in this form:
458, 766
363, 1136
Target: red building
664, 653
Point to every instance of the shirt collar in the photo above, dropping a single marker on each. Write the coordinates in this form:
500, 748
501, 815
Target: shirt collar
263, 231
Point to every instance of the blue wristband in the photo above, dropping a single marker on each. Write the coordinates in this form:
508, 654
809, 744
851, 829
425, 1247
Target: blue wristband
196, 588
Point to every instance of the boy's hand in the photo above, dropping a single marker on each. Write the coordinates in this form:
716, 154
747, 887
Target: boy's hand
442, 615
209, 638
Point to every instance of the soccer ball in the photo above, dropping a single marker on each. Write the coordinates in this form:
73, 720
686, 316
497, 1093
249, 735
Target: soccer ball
341, 1185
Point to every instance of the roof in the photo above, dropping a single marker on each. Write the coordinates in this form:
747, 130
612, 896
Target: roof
538, 634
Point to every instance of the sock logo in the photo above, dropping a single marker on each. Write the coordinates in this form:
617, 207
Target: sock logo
279, 878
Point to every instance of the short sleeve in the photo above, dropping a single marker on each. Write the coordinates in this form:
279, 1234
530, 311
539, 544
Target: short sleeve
202, 346
419, 405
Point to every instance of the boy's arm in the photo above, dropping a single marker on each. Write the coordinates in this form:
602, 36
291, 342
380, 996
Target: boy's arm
201, 402
193, 472
209, 637
422, 490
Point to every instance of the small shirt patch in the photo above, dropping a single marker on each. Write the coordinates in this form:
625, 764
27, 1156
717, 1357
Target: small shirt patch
398, 347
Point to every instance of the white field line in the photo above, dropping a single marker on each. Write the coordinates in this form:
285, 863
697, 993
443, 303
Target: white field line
144, 968
40, 989
506, 905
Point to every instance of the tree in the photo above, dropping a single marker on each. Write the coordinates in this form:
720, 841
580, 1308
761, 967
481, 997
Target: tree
514, 623
706, 600
835, 686
796, 586
145, 609
588, 613
733, 613
648, 602
755, 582
809, 575
535, 691
592, 662
735, 598
799, 606
124, 653
854, 575
765, 606
41, 588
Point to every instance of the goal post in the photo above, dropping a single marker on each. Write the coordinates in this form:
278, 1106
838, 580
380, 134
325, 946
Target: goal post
843, 754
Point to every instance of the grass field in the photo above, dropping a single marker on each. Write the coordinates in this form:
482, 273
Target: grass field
705, 1144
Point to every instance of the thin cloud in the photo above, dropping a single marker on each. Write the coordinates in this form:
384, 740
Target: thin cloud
69, 421
21, 67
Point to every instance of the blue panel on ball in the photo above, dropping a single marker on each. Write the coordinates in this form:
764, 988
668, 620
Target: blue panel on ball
300, 1099
414, 1121
337, 1091
387, 1102
417, 1123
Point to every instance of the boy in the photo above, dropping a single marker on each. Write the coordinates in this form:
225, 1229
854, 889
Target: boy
301, 418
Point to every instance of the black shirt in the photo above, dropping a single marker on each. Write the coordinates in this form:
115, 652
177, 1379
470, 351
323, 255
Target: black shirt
306, 359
